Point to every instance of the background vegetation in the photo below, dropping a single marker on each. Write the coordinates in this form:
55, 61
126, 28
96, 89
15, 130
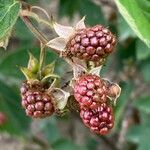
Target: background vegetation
129, 66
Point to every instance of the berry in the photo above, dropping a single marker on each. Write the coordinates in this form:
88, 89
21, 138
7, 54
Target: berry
35, 100
100, 120
3, 118
90, 90
92, 44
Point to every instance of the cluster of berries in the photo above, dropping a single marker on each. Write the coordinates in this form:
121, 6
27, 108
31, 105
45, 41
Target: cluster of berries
91, 92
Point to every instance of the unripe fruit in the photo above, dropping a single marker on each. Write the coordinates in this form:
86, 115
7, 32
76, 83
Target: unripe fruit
90, 90
92, 44
3, 118
37, 103
99, 120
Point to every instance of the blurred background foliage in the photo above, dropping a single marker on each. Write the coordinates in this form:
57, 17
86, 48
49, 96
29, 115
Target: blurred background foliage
129, 66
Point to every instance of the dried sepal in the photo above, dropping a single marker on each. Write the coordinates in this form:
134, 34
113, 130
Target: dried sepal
61, 98
80, 24
78, 70
4, 43
63, 31
96, 70
58, 43
33, 64
114, 90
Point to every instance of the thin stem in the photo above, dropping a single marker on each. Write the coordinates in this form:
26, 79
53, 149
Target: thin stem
41, 9
34, 30
36, 17
42, 56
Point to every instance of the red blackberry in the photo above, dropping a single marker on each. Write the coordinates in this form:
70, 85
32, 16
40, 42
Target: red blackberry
91, 44
37, 103
99, 120
90, 90
3, 118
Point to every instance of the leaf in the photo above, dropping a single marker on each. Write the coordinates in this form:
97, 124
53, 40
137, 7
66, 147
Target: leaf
143, 104
136, 18
9, 10
17, 122
142, 51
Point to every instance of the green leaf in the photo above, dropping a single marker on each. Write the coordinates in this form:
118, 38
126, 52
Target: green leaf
17, 122
142, 51
136, 18
9, 10
143, 104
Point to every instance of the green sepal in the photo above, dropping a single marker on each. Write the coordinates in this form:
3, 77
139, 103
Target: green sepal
28, 73
33, 64
52, 76
48, 69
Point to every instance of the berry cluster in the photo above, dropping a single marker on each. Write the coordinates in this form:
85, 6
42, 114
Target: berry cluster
36, 101
100, 120
91, 93
84, 49
91, 44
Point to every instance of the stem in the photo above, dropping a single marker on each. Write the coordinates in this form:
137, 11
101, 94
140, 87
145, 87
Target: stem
34, 30
42, 56
36, 17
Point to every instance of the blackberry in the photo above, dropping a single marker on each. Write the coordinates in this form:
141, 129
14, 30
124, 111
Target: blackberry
90, 90
92, 44
36, 101
99, 120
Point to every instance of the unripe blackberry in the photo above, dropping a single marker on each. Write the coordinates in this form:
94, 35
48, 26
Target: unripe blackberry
99, 120
92, 44
37, 103
90, 90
